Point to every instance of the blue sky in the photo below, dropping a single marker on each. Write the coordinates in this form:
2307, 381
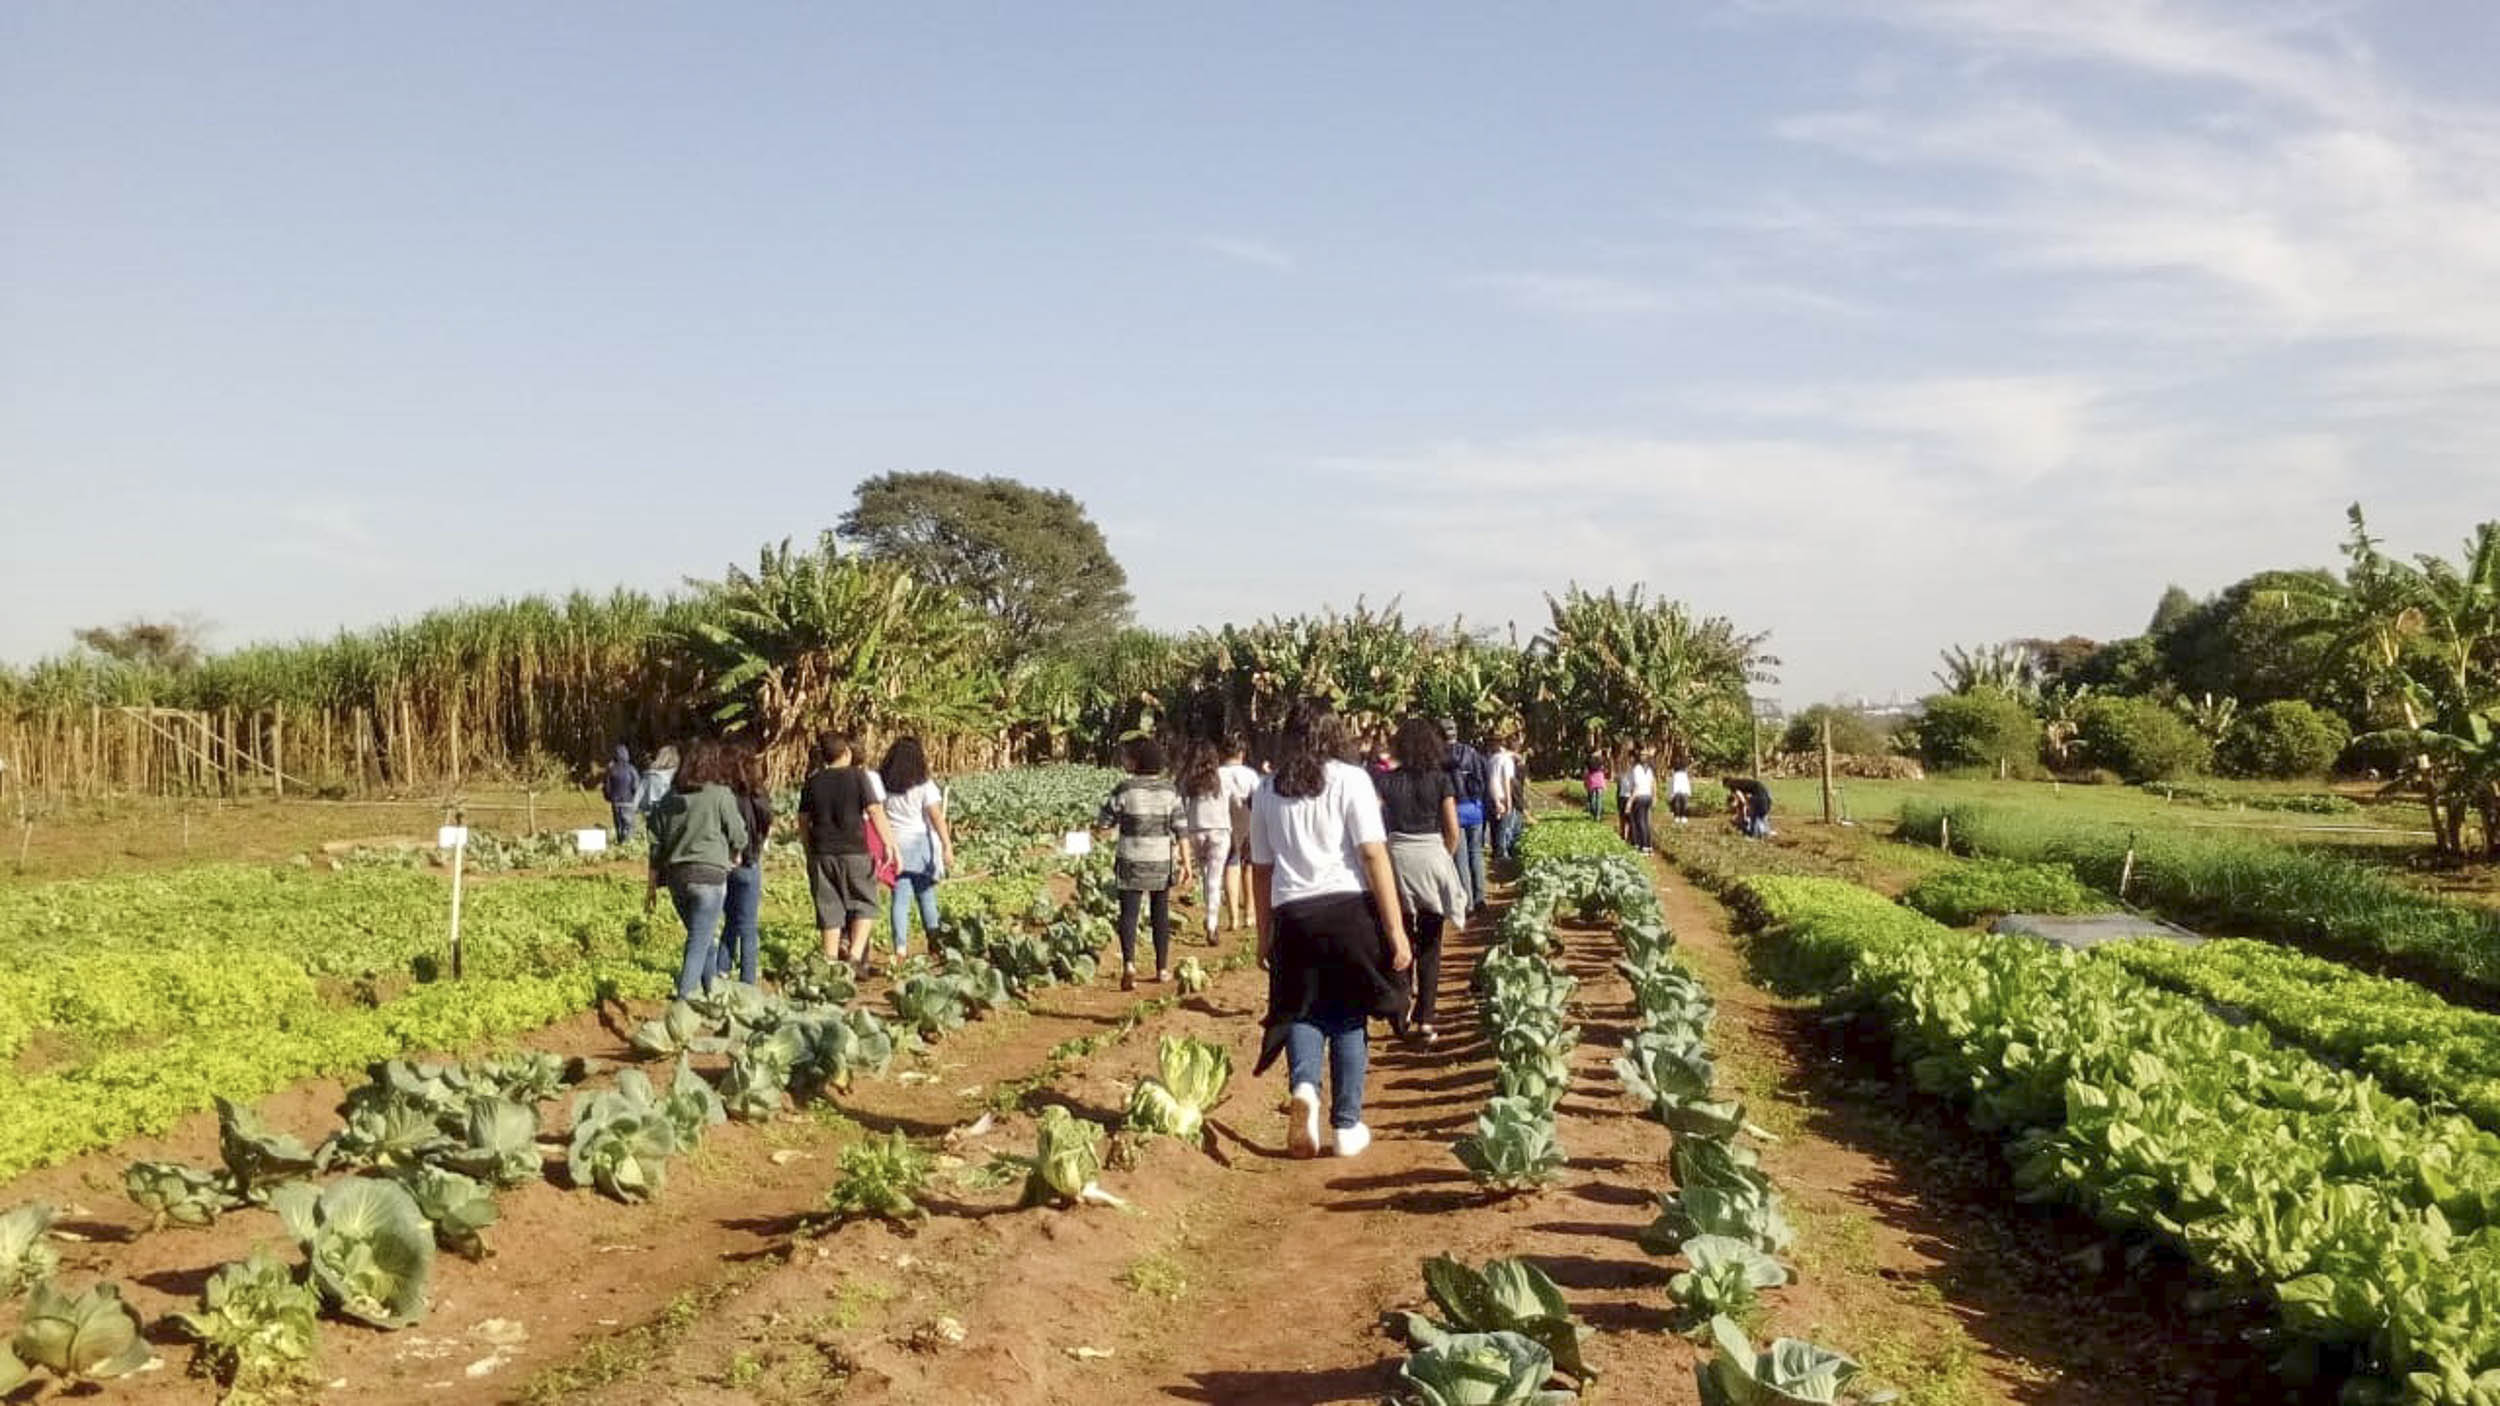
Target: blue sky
1877, 325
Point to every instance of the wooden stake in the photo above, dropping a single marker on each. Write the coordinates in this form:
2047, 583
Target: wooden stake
1944, 832
1831, 812
459, 858
2126, 870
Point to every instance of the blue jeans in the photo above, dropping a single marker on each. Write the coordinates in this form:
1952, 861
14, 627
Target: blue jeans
1758, 826
738, 923
699, 908
1338, 1037
910, 888
1506, 834
1471, 862
622, 812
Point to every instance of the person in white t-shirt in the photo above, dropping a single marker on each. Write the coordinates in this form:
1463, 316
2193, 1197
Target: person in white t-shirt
1680, 790
924, 849
1640, 789
1207, 823
1330, 930
1239, 781
1506, 798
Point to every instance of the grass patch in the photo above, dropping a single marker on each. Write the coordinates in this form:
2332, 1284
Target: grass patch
1156, 1276
633, 1352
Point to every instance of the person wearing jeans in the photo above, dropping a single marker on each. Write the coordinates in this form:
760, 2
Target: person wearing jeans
915, 815
1471, 781
696, 837
741, 936
1330, 931
621, 785
1641, 785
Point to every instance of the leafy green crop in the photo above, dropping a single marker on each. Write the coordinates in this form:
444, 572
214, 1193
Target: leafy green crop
173, 1194
1966, 893
1740, 1211
499, 1142
1507, 1296
881, 1176
26, 1258
1514, 1148
371, 1249
1189, 975
91, 1337
1067, 1161
1193, 1074
258, 1160
257, 1326
458, 1207
622, 1141
1480, 1369
1789, 1373
1726, 1276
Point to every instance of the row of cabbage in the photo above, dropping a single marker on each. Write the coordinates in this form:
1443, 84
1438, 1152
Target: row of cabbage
1504, 1333
2368, 1225
422, 1149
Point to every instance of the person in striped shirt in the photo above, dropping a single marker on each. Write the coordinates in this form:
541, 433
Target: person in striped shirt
1149, 861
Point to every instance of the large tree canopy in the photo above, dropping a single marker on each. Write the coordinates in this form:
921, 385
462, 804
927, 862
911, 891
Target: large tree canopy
1028, 556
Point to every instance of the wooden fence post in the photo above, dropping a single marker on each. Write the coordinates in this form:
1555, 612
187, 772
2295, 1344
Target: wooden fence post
1830, 812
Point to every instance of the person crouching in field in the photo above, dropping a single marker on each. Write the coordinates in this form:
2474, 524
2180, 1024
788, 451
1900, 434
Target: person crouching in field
696, 835
1419, 807
1330, 933
1148, 862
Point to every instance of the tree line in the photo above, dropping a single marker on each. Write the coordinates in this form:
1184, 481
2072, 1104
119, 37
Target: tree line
985, 614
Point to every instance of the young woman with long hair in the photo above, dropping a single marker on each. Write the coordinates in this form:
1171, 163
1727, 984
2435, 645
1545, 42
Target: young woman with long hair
1207, 819
696, 836
924, 848
1148, 863
1419, 807
1330, 932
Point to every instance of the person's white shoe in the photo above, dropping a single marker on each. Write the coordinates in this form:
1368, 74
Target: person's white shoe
1352, 1141
1302, 1134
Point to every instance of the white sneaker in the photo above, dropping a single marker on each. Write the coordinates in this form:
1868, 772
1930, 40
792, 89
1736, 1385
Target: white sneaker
1352, 1141
1302, 1134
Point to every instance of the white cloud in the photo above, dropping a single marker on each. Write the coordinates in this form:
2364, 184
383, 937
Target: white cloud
338, 535
1574, 294
1257, 252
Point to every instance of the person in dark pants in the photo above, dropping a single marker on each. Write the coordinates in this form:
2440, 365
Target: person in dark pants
1149, 861
619, 789
741, 936
1640, 787
1330, 933
1421, 815
1757, 808
696, 836
1470, 780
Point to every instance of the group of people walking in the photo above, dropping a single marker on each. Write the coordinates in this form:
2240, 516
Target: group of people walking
1636, 797
1352, 870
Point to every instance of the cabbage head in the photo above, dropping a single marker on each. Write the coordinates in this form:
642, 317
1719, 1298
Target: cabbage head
371, 1249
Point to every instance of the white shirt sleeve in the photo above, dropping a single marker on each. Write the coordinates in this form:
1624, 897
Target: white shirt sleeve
1363, 823
876, 784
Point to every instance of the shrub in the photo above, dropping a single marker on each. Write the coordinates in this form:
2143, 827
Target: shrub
1853, 733
2141, 740
1982, 728
2284, 739
1988, 887
1569, 839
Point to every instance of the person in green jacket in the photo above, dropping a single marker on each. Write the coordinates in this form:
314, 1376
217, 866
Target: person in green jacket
697, 834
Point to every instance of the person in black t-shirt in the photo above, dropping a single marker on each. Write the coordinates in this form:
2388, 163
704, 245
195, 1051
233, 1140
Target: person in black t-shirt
1419, 808
840, 808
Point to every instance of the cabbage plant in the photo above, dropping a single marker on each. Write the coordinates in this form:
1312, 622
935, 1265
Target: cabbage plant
1727, 1276
259, 1160
1506, 1296
173, 1194
458, 1207
817, 980
1067, 1162
84, 1339
371, 1249
1513, 1148
881, 1176
396, 1131
26, 1258
622, 1140
676, 1030
257, 1325
1480, 1369
1190, 976
1191, 1079
1788, 1373
499, 1142
692, 1104
1740, 1212
930, 1003
761, 1073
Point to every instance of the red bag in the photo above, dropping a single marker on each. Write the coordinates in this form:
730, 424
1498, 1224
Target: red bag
889, 868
